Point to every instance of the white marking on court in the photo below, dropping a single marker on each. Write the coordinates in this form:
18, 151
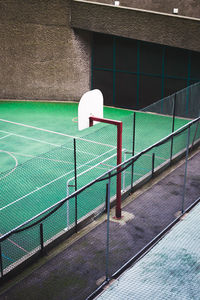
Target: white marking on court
92, 154
82, 173
28, 138
45, 185
55, 132
42, 158
41, 141
5, 136
17, 245
16, 164
51, 159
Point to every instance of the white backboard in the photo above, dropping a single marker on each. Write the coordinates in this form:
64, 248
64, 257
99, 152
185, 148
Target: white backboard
91, 104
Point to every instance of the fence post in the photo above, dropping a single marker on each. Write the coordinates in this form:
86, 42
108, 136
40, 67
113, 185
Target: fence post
153, 164
133, 149
75, 177
106, 204
124, 174
108, 227
41, 238
1, 262
173, 125
196, 130
185, 175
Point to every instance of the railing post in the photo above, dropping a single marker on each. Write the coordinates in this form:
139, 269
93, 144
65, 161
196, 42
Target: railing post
195, 134
106, 204
124, 174
108, 228
173, 126
133, 149
185, 175
41, 239
75, 178
153, 164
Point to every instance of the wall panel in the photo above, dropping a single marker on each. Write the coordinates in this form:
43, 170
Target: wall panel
134, 74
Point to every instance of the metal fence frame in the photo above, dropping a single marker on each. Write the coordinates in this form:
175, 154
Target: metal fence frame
38, 220
144, 250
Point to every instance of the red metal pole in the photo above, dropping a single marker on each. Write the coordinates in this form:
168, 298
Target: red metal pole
119, 158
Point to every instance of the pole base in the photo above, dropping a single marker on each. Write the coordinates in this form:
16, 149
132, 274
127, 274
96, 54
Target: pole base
117, 218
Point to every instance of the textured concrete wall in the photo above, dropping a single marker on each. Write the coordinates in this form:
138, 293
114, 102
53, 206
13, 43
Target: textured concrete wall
41, 57
190, 8
176, 31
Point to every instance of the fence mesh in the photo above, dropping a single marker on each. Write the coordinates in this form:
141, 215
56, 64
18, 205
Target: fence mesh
166, 270
51, 184
187, 103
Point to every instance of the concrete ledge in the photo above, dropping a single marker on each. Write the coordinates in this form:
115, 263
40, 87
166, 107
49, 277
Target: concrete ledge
149, 26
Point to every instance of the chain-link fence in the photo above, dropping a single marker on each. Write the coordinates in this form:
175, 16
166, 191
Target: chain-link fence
149, 215
66, 194
35, 234
169, 269
185, 103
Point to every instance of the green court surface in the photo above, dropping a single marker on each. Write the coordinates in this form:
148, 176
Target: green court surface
37, 163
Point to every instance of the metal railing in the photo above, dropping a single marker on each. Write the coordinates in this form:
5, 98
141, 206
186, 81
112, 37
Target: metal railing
42, 226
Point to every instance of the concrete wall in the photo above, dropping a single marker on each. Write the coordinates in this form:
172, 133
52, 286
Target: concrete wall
170, 30
41, 56
190, 8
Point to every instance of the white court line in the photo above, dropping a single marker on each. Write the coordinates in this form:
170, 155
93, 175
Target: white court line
28, 138
51, 159
55, 132
91, 168
45, 185
17, 245
4, 136
127, 172
16, 164
42, 158
41, 141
